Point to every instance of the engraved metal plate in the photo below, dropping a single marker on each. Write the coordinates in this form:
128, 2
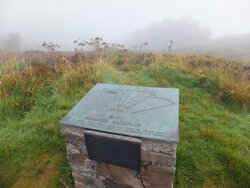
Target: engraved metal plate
146, 112
117, 152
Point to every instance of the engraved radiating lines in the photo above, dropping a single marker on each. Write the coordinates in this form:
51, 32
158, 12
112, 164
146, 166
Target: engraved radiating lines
133, 98
156, 107
132, 102
140, 100
121, 96
128, 103
119, 101
114, 104
124, 101
118, 98
103, 99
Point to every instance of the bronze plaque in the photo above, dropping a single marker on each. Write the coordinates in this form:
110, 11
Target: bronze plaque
145, 112
113, 151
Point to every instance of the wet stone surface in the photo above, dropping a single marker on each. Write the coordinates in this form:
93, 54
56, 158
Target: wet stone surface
157, 163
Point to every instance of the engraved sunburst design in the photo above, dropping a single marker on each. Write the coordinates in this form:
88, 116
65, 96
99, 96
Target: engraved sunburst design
130, 101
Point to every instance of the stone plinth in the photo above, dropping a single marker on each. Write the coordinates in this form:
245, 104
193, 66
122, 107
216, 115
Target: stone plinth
123, 137
157, 163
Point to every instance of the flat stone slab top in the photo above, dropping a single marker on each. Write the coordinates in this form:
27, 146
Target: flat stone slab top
144, 112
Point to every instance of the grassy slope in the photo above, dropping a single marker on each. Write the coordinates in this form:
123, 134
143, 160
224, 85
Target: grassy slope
214, 144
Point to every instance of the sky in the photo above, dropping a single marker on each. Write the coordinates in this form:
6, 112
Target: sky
62, 21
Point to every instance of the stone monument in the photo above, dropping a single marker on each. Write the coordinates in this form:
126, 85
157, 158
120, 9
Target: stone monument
122, 136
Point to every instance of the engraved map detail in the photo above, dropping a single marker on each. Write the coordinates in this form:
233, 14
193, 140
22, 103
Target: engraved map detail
144, 112
132, 101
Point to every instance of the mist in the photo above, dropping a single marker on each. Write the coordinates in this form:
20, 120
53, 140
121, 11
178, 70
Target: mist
188, 23
185, 32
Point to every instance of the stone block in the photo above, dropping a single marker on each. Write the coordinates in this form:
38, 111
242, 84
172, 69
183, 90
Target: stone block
158, 147
157, 164
72, 149
157, 176
109, 184
74, 136
157, 158
118, 175
72, 131
86, 182
89, 183
75, 155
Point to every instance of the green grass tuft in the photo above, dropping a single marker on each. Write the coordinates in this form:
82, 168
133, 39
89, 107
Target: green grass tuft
214, 119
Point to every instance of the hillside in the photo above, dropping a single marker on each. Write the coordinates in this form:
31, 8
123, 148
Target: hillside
214, 121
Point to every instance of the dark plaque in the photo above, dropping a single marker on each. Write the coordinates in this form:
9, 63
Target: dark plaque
113, 151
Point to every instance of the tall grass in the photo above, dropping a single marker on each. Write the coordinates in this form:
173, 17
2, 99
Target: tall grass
228, 80
34, 96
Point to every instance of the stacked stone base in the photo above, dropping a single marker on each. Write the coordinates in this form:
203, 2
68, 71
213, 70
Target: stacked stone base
157, 164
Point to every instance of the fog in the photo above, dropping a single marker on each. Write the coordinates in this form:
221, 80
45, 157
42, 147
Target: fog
184, 32
187, 23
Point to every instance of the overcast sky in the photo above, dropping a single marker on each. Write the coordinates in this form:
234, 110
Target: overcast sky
115, 20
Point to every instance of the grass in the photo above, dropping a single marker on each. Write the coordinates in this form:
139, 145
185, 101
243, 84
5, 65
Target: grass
214, 123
